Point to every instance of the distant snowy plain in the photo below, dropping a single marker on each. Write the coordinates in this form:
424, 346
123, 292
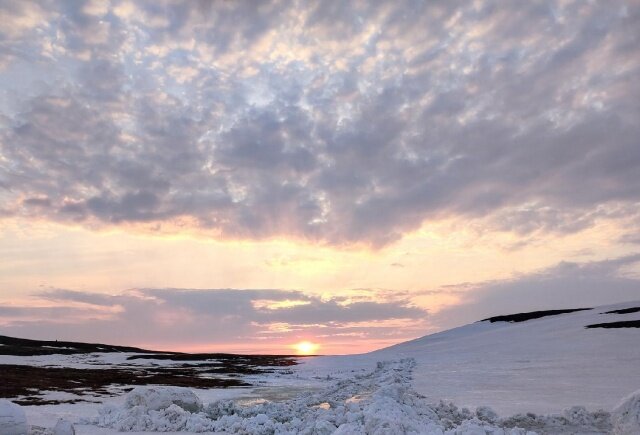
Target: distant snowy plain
549, 375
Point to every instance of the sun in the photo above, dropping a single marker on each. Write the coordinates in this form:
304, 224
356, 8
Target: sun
306, 347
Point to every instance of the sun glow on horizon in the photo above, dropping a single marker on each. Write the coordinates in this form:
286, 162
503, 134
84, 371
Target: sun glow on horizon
306, 348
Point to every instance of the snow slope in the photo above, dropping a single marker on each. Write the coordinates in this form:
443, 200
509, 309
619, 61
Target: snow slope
542, 365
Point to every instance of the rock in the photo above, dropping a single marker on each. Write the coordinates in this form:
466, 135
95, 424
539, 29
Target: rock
13, 420
63, 427
159, 398
626, 416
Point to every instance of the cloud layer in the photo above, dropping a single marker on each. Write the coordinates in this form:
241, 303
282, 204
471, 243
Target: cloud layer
270, 320
343, 123
227, 319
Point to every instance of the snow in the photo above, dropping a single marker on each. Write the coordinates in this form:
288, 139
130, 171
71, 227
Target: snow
13, 420
626, 416
380, 402
542, 366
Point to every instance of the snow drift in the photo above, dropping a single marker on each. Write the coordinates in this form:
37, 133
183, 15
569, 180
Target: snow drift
13, 420
158, 398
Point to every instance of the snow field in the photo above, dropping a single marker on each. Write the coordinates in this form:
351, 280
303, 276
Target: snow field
379, 402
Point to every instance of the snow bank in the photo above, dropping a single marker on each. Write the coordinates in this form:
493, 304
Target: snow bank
13, 420
626, 416
380, 402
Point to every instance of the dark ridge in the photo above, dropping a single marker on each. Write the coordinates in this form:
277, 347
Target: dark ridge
26, 347
523, 317
610, 325
624, 311
265, 360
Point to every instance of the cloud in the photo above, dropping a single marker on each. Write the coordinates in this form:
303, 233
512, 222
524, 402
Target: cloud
271, 319
208, 317
565, 285
342, 124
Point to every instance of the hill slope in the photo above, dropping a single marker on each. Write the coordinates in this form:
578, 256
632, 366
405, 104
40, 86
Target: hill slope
541, 363
27, 347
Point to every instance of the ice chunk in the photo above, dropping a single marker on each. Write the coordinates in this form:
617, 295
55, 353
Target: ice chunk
323, 427
261, 419
159, 398
485, 413
64, 427
13, 420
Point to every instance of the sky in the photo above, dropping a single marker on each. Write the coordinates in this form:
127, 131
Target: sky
242, 176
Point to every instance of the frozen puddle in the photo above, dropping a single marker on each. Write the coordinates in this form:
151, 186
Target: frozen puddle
379, 402
260, 395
